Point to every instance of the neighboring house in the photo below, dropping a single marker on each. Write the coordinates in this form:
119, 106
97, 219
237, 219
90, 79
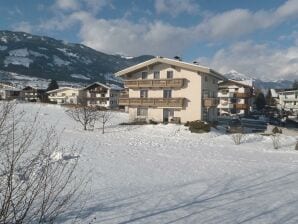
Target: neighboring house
64, 95
288, 100
235, 97
168, 90
10, 93
101, 95
33, 94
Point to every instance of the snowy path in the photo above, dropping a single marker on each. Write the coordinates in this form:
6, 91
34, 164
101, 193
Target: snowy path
164, 174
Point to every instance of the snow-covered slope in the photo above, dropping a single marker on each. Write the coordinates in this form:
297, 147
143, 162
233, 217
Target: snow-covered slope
48, 58
165, 174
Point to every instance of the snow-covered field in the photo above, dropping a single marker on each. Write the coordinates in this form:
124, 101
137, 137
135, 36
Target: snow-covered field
165, 174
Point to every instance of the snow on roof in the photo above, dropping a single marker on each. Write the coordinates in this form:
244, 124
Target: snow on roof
273, 93
62, 89
190, 66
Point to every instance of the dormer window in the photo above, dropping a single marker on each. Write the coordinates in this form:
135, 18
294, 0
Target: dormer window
170, 74
144, 75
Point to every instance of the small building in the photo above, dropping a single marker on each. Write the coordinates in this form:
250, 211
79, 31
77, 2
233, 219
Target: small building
101, 95
288, 100
235, 97
9, 93
64, 95
33, 94
169, 90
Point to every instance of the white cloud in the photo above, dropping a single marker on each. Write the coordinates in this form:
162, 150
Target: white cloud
258, 60
23, 26
176, 7
67, 4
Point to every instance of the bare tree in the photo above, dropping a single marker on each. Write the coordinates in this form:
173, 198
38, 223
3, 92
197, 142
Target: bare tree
237, 137
35, 186
104, 117
83, 114
275, 140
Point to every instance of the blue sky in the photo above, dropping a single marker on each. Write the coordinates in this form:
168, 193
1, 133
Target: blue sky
258, 38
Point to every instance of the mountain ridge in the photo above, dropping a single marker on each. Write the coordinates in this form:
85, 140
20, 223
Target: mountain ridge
48, 58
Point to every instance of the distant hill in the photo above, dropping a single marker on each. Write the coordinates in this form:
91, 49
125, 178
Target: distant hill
48, 58
263, 85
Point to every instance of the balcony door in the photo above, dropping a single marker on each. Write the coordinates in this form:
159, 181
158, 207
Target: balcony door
167, 93
167, 114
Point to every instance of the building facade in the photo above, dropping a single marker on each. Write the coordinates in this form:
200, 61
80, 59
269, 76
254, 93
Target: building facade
33, 94
235, 98
288, 100
9, 92
64, 95
101, 95
167, 90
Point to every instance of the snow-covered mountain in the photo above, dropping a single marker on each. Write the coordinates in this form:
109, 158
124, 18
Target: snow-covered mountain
263, 85
48, 58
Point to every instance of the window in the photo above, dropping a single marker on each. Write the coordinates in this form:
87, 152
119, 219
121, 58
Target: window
156, 75
206, 78
63, 94
170, 74
144, 75
142, 112
206, 93
73, 94
167, 93
214, 81
143, 93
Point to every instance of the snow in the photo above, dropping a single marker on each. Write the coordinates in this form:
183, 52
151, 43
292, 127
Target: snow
165, 174
60, 62
67, 52
3, 47
79, 76
37, 54
4, 39
18, 57
235, 75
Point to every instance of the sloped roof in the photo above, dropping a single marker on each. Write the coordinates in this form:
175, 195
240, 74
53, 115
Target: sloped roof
113, 87
234, 82
61, 89
189, 66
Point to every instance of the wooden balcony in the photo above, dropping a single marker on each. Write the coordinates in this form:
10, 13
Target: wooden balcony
242, 106
154, 83
210, 102
242, 95
152, 102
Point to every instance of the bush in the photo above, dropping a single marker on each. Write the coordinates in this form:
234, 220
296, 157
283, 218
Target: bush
276, 140
153, 122
198, 126
276, 130
237, 137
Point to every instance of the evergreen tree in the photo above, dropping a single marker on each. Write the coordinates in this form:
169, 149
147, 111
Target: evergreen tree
52, 85
260, 101
295, 84
269, 100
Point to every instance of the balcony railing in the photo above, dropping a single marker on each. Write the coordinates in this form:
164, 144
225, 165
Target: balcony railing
152, 102
223, 94
210, 102
242, 106
154, 83
226, 106
242, 95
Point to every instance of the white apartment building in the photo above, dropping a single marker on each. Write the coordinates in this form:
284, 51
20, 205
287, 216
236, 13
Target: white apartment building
235, 97
64, 95
167, 90
288, 100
